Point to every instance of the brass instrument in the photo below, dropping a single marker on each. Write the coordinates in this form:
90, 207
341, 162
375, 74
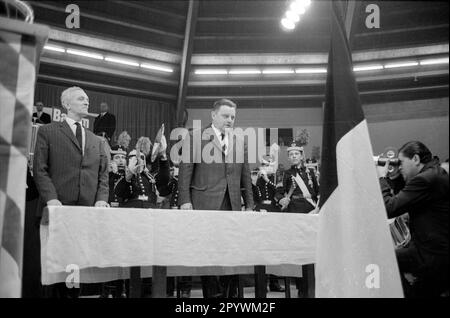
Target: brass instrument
289, 194
399, 231
32, 145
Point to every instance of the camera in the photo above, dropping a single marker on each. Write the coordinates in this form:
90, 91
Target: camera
390, 153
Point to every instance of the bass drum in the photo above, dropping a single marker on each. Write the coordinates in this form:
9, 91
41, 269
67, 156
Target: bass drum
399, 231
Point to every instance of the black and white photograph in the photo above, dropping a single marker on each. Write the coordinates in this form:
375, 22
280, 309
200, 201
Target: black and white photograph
225, 154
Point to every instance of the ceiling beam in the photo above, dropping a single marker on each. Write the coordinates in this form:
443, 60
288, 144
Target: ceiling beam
185, 69
314, 81
107, 69
97, 17
113, 45
114, 88
136, 5
403, 30
313, 58
315, 96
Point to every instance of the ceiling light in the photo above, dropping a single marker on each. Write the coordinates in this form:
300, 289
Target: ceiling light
298, 7
243, 71
278, 71
85, 54
287, 24
367, 68
310, 70
401, 64
156, 67
121, 61
211, 72
54, 48
443, 60
291, 15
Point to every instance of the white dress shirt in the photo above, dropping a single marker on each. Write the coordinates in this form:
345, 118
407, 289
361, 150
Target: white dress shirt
219, 136
73, 127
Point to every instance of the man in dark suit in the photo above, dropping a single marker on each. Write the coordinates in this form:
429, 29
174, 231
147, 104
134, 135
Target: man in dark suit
40, 117
70, 162
105, 123
425, 198
206, 184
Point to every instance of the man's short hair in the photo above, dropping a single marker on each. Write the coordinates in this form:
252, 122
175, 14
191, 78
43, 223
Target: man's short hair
65, 95
412, 148
223, 102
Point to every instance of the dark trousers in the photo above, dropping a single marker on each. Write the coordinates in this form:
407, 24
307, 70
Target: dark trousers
430, 270
31, 281
220, 286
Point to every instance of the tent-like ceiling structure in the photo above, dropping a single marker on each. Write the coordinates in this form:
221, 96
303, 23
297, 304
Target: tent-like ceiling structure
188, 37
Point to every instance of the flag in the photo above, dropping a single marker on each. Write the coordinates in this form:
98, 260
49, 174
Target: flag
20, 44
355, 252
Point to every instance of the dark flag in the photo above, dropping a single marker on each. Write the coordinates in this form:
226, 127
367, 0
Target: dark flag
355, 252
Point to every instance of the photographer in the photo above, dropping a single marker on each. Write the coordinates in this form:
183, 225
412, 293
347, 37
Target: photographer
425, 198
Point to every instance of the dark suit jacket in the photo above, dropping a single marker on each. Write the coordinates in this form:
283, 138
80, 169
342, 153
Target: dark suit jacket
62, 172
425, 198
205, 184
105, 123
44, 119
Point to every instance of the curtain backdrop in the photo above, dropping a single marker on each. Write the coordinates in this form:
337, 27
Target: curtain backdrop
137, 115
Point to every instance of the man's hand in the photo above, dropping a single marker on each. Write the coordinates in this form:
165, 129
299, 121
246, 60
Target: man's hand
54, 202
382, 171
394, 174
163, 145
186, 206
284, 202
113, 167
134, 170
101, 204
249, 209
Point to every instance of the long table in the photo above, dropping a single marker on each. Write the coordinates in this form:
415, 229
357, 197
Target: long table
102, 244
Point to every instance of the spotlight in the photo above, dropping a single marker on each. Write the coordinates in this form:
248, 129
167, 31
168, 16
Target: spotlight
287, 24
291, 15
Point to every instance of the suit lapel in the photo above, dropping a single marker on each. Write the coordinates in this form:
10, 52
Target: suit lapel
89, 140
64, 126
215, 139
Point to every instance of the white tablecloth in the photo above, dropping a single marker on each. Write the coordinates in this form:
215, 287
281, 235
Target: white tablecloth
104, 242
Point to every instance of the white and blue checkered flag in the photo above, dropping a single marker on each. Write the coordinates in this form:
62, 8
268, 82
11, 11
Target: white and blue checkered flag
20, 47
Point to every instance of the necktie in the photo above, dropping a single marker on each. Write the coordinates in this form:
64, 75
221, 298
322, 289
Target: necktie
224, 146
79, 135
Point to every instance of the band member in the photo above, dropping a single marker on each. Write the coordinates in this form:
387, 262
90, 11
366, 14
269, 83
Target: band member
264, 190
146, 179
184, 282
118, 187
299, 195
300, 189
